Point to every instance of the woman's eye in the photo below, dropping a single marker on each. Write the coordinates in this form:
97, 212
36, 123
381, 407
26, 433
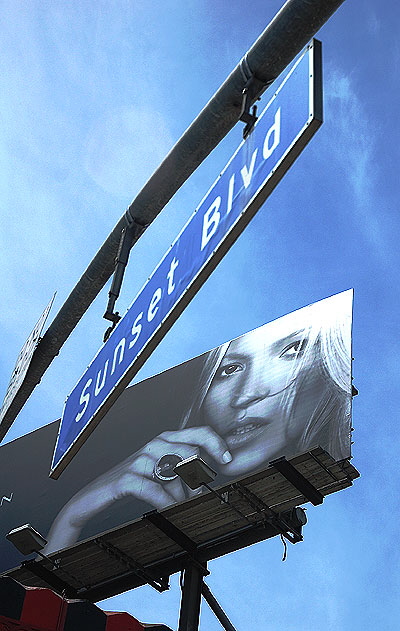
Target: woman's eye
294, 350
229, 369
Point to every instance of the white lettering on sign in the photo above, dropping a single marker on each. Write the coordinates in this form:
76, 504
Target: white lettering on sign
136, 330
247, 173
211, 222
100, 385
212, 216
230, 194
274, 131
170, 275
151, 313
84, 400
121, 348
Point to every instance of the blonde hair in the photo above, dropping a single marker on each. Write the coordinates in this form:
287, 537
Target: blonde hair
326, 333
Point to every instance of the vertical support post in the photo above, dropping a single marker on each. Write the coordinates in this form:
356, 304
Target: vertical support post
191, 597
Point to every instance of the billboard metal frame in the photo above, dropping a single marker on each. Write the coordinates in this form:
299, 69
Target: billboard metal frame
161, 543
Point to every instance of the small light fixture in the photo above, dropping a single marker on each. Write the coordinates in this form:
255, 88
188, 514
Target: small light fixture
26, 539
298, 516
195, 472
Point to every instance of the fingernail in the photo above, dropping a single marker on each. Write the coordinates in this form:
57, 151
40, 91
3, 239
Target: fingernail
227, 457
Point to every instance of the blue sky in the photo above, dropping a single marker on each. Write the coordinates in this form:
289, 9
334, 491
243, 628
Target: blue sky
93, 96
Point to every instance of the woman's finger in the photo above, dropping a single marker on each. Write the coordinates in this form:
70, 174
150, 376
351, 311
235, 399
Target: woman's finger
145, 489
176, 489
158, 448
203, 437
143, 467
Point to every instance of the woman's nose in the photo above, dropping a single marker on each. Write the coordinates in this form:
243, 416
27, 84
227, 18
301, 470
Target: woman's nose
249, 394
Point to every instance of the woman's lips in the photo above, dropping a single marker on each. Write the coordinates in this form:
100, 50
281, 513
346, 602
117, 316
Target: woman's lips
249, 429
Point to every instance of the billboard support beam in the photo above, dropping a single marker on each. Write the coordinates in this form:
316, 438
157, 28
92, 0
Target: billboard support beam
286, 35
175, 534
191, 598
160, 584
216, 608
50, 578
284, 526
298, 480
168, 528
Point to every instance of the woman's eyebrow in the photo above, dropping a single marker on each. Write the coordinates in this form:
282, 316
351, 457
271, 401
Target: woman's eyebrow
276, 346
230, 357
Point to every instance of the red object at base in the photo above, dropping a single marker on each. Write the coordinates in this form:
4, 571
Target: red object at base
40, 609
117, 621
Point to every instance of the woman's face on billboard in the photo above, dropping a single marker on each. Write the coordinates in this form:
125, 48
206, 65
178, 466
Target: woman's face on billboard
244, 403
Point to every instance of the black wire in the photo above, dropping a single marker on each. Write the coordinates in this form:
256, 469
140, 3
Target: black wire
284, 548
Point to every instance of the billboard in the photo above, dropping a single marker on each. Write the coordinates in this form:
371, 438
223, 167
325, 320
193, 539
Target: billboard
278, 390
289, 120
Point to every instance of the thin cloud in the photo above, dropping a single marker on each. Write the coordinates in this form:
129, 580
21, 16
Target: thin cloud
124, 147
353, 130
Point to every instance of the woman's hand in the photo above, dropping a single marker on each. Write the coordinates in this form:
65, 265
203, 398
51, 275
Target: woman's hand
135, 477
140, 468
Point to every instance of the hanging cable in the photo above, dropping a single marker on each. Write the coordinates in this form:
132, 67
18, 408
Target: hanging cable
284, 557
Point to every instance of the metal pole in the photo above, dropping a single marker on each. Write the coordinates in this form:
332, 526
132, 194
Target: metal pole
286, 35
191, 598
216, 608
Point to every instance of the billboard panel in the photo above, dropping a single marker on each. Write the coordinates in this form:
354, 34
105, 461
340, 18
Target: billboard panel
287, 123
278, 390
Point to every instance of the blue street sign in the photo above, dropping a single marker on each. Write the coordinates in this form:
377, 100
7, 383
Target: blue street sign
289, 120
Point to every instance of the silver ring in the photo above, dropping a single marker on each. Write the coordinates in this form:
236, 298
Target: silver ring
164, 467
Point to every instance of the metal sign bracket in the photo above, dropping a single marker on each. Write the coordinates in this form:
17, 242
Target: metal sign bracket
129, 234
252, 90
